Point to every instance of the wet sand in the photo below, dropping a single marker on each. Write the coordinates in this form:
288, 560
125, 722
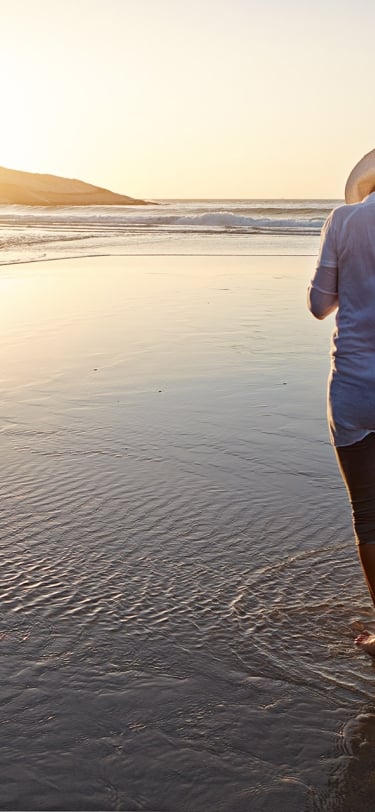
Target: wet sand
179, 570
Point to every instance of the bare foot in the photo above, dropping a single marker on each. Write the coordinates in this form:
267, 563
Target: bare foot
358, 627
366, 641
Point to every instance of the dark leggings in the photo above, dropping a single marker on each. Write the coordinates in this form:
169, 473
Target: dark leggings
357, 466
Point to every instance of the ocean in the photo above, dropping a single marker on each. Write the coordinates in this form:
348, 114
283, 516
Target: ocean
172, 226
179, 573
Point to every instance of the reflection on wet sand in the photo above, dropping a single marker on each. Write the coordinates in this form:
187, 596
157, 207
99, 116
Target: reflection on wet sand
179, 573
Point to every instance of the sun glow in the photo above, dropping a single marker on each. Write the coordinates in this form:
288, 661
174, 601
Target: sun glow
24, 120
167, 99
17, 134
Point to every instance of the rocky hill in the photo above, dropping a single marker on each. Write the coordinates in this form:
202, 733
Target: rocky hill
31, 189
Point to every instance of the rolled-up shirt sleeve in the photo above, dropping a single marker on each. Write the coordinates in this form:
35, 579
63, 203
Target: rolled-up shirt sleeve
322, 293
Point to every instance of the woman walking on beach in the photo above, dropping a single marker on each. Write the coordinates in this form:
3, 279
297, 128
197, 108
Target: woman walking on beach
345, 280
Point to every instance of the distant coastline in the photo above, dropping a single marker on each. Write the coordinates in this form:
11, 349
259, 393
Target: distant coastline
33, 189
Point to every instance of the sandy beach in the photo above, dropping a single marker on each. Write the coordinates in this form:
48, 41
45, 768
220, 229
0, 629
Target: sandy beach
180, 575
184, 617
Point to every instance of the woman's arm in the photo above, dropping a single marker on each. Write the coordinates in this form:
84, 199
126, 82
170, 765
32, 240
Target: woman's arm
322, 298
322, 294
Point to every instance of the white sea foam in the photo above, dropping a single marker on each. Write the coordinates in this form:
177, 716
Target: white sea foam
227, 219
37, 232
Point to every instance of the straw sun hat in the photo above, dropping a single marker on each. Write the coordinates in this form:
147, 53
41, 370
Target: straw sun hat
361, 180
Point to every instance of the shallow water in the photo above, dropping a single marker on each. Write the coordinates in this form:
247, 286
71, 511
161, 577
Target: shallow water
208, 227
180, 575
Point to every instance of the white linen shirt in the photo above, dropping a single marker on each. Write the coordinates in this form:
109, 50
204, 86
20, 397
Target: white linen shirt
345, 280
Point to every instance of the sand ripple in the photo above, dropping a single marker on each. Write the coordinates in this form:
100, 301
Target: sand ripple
175, 617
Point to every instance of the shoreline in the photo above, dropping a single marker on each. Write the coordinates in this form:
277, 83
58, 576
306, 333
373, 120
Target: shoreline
149, 254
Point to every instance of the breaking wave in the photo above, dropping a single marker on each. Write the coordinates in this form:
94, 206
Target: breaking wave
59, 231
227, 220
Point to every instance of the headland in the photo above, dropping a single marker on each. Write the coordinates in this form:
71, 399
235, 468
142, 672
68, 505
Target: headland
33, 189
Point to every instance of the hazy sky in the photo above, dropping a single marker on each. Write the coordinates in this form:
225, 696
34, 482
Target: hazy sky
189, 98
